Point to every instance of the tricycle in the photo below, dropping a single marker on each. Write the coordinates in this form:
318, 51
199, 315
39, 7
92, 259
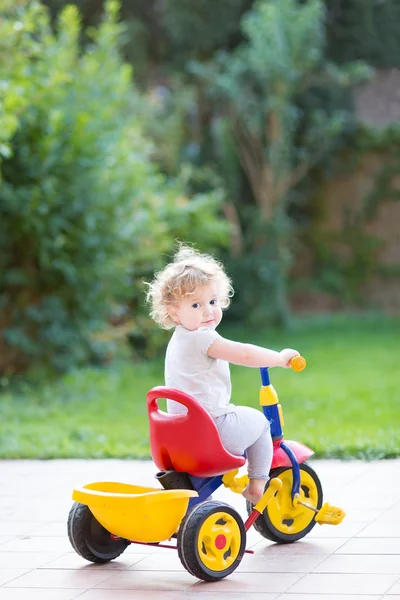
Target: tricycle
210, 535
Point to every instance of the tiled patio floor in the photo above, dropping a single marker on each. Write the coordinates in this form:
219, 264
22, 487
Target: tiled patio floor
357, 560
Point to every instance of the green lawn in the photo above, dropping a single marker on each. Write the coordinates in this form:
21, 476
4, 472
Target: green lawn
346, 403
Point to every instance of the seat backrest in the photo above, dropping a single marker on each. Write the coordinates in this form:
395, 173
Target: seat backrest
189, 442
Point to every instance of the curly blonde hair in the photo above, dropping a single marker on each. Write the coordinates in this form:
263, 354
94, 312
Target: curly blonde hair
189, 270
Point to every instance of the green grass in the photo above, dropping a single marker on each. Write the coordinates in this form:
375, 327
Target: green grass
345, 404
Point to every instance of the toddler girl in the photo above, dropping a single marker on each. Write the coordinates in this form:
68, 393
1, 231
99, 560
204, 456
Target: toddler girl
188, 295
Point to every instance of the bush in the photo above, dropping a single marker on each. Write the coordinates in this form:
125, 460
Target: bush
259, 92
80, 199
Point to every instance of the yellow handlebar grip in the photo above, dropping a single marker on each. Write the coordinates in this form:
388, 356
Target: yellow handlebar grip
298, 363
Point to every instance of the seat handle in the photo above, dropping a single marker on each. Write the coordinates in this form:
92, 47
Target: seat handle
173, 394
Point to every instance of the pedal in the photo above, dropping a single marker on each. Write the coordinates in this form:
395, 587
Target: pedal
274, 486
236, 484
326, 515
330, 515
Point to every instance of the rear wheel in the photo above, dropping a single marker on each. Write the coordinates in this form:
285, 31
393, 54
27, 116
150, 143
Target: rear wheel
282, 522
90, 539
211, 540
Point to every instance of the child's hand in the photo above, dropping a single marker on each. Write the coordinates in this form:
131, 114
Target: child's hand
286, 355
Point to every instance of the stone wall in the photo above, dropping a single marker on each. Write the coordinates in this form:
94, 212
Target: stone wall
344, 197
378, 101
377, 105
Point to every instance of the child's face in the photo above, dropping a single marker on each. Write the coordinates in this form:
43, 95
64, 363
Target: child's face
200, 309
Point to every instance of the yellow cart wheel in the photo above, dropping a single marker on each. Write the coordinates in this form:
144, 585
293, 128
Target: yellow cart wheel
90, 539
281, 521
211, 540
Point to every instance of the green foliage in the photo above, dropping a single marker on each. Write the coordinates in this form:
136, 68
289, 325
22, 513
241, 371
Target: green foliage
364, 30
278, 136
66, 197
174, 215
13, 66
346, 259
162, 36
167, 34
81, 202
227, 123
198, 33
144, 41
166, 112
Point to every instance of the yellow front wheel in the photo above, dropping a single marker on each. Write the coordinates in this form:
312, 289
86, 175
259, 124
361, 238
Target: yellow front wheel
211, 540
281, 521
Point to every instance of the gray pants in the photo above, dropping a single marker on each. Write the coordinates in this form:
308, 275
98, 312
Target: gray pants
247, 429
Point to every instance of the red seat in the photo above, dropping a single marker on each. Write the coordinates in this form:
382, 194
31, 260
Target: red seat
190, 442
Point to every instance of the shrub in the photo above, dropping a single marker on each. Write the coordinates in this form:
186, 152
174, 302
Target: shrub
80, 198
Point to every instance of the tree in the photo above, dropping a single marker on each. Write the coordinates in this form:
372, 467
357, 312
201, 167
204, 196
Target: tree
82, 203
261, 85
364, 30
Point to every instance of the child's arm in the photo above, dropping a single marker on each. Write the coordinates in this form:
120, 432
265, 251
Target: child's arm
249, 355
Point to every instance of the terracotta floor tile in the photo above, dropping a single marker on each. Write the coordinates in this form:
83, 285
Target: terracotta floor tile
71, 560
132, 595
39, 594
173, 595
391, 515
364, 515
271, 563
7, 574
49, 578
367, 563
355, 561
324, 546
51, 529
252, 536
37, 544
144, 549
370, 546
4, 539
290, 596
374, 499
395, 589
339, 583
227, 596
250, 583
381, 529
347, 529
17, 528
142, 580
148, 549
26, 560
169, 561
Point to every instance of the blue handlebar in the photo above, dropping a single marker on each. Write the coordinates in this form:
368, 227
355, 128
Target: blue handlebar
265, 376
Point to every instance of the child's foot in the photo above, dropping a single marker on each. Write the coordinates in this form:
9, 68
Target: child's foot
254, 490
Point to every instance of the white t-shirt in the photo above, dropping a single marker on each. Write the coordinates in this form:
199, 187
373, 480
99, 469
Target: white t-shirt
188, 368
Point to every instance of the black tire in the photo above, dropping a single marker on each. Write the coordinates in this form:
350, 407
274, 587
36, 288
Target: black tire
200, 563
90, 539
264, 524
